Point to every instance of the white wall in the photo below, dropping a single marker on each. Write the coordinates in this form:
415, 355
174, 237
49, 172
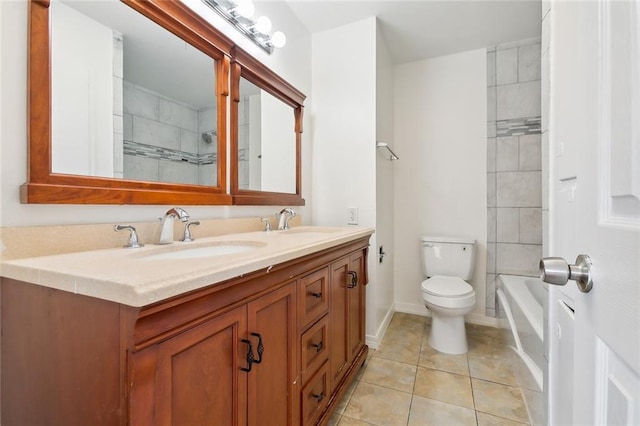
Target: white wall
344, 132
440, 112
293, 62
384, 188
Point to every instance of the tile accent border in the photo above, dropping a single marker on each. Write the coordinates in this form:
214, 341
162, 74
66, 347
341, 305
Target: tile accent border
159, 153
519, 127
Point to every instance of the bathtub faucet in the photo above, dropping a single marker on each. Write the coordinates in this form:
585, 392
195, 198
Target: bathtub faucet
166, 228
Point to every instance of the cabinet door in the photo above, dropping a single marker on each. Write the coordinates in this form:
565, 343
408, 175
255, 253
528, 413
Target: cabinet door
272, 382
338, 330
356, 304
199, 381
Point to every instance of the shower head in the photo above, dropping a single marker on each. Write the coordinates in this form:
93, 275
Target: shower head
208, 137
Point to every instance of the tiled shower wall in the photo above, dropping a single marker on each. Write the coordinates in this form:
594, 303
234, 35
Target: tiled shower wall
514, 200
163, 139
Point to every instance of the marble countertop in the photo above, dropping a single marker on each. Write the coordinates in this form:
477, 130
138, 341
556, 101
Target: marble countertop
138, 277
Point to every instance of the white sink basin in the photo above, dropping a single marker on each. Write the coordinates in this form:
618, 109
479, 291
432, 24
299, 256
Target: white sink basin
222, 248
311, 230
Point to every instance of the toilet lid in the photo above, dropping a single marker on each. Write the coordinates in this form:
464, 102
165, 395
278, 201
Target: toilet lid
446, 286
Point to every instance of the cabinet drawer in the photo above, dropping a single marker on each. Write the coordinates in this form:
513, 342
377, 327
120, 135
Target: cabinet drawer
313, 348
313, 299
315, 396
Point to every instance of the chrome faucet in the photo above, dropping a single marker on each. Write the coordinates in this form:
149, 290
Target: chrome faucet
285, 215
166, 228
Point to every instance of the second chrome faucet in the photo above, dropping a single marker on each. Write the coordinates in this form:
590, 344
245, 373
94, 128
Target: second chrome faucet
166, 226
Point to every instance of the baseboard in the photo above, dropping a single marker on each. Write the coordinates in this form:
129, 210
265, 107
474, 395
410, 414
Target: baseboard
412, 308
374, 341
472, 318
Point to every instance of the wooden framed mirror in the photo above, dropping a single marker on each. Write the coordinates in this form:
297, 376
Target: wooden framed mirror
97, 176
266, 135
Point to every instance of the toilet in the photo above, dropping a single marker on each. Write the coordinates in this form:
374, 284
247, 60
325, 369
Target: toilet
447, 262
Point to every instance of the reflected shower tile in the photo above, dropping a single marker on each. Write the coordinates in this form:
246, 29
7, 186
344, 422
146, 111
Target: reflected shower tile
491, 129
378, 405
207, 174
127, 127
140, 168
189, 141
425, 412
445, 387
499, 400
118, 101
153, 133
177, 115
172, 171
139, 102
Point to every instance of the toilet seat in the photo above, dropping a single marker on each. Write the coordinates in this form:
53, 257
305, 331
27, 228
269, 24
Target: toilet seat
441, 286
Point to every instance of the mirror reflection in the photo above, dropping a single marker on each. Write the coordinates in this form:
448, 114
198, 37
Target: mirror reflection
266, 141
130, 100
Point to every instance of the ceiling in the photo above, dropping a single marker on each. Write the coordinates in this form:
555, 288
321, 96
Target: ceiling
415, 30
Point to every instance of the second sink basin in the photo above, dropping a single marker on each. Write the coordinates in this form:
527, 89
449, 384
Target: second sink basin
311, 230
221, 248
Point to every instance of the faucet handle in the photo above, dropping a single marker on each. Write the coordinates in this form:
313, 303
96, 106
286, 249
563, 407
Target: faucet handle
267, 224
187, 231
133, 237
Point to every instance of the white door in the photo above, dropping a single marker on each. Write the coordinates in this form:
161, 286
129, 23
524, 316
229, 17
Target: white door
594, 187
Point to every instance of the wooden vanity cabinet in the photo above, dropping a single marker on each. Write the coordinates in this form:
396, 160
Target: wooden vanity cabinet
347, 310
77, 360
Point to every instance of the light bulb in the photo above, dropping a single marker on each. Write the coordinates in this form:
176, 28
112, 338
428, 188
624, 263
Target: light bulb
278, 39
263, 25
245, 8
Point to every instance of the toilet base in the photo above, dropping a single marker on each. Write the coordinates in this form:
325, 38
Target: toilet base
448, 334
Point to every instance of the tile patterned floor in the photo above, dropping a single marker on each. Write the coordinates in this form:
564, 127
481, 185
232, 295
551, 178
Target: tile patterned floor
406, 382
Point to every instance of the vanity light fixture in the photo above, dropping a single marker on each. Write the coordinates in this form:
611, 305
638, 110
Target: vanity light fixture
239, 13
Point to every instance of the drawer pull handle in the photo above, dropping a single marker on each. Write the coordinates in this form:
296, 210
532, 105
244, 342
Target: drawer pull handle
354, 279
316, 295
260, 348
318, 396
318, 346
250, 358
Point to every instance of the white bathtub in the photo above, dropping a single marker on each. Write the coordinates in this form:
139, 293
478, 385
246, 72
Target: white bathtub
522, 299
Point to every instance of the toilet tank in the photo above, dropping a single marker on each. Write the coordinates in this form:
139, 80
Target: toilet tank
449, 256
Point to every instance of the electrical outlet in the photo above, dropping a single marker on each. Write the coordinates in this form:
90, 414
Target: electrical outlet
352, 215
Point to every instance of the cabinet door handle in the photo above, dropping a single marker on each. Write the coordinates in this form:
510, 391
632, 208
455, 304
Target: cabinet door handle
354, 279
318, 396
260, 348
316, 295
250, 358
318, 346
